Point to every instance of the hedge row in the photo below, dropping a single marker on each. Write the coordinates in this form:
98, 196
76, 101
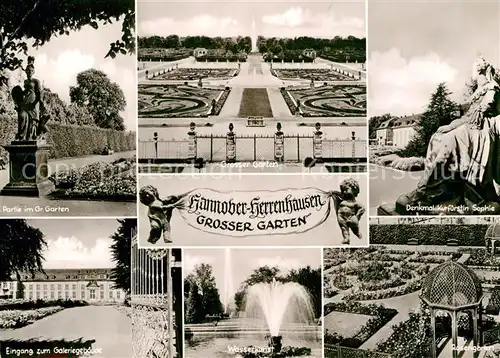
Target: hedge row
73, 140
431, 234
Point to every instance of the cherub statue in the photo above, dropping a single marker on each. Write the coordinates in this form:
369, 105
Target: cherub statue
159, 213
349, 211
32, 115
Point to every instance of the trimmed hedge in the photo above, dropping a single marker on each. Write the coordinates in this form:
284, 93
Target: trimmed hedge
429, 234
73, 140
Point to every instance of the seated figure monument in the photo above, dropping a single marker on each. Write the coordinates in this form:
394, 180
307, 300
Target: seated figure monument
462, 165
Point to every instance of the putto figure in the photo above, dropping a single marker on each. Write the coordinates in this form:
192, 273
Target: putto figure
31, 113
349, 211
159, 213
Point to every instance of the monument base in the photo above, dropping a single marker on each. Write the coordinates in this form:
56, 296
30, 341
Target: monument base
467, 200
28, 169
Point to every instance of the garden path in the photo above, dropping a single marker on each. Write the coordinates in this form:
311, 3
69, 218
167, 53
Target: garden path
67, 207
403, 304
111, 329
387, 184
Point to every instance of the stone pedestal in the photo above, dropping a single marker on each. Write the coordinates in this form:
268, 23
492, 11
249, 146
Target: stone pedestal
28, 169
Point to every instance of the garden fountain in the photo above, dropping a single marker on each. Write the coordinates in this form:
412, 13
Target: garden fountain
277, 304
254, 37
228, 281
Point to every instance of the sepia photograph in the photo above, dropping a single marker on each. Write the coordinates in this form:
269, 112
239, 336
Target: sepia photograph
434, 108
157, 303
426, 287
64, 287
252, 303
249, 210
251, 87
67, 109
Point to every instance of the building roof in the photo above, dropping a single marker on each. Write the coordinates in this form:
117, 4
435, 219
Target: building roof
452, 285
493, 231
69, 275
386, 124
407, 121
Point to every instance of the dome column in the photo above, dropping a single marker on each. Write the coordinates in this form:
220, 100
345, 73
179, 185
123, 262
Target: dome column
433, 334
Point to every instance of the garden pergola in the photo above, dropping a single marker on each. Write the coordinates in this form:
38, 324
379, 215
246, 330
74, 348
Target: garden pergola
454, 288
492, 237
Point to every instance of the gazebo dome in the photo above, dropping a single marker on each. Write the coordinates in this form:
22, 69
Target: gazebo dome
493, 231
453, 286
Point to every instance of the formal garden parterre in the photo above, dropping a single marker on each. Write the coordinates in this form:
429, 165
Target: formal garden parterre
327, 100
191, 74
319, 74
366, 288
174, 101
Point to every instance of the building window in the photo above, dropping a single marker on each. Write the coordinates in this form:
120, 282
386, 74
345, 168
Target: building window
110, 295
74, 287
74, 295
59, 287
102, 295
66, 287
92, 294
52, 287
37, 286
82, 295
45, 294
59, 294
67, 295
118, 294
44, 286
52, 294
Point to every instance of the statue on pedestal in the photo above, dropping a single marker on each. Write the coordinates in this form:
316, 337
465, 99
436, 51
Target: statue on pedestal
461, 166
31, 113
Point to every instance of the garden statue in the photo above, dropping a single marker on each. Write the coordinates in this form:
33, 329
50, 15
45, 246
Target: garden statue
200, 83
32, 116
212, 108
159, 213
312, 82
462, 169
349, 211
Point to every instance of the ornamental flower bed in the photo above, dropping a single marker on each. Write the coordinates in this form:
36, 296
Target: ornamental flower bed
22, 304
380, 317
409, 287
19, 318
105, 181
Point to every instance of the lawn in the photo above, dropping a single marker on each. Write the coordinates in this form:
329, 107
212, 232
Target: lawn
345, 324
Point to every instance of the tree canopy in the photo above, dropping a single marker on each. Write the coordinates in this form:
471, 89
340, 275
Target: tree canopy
120, 253
375, 122
103, 99
40, 20
440, 111
201, 294
21, 248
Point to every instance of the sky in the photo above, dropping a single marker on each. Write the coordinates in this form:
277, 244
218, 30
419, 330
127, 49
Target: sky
77, 243
240, 263
59, 61
413, 46
275, 18
326, 234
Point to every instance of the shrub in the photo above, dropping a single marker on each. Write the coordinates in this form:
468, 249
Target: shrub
430, 234
21, 318
408, 164
74, 140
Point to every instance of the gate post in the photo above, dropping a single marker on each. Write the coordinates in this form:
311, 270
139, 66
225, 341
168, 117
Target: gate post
230, 145
255, 147
192, 150
155, 140
279, 152
211, 147
318, 142
353, 137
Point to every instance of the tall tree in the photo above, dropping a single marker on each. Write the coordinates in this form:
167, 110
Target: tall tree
104, 99
193, 305
120, 253
21, 249
440, 111
38, 21
311, 280
202, 277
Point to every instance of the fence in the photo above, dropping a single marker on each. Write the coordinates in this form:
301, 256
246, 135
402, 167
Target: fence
332, 351
152, 301
214, 148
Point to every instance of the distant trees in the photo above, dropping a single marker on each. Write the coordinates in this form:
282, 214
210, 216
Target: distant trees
230, 44
440, 111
